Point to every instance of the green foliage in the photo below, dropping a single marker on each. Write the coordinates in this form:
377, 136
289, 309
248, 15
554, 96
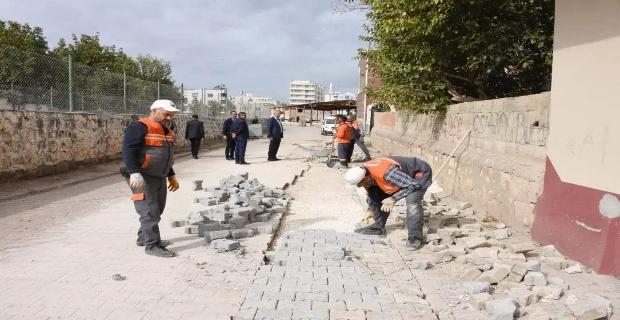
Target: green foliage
431, 52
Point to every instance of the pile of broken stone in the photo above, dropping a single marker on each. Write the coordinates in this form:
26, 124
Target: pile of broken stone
505, 278
237, 208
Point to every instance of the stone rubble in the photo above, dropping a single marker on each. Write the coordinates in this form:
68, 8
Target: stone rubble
237, 208
508, 278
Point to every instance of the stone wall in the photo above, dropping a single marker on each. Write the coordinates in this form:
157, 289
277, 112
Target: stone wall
500, 165
35, 144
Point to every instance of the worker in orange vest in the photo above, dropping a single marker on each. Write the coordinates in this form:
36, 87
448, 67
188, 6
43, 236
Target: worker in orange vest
388, 180
148, 157
357, 138
343, 136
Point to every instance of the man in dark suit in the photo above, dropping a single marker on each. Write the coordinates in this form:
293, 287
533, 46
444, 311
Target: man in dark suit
241, 134
275, 133
227, 133
195, 132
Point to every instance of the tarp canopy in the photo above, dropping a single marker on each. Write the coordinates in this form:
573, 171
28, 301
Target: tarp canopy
325, 106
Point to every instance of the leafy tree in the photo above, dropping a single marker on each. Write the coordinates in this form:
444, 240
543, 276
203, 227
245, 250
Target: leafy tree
429, 53
152, 69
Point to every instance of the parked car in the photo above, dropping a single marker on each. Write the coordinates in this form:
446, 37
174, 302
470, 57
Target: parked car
328, 125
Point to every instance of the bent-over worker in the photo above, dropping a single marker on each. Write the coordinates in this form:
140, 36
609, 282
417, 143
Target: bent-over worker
148, 157
388, 180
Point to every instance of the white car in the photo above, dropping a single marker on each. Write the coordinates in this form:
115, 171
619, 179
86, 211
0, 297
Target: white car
328, 125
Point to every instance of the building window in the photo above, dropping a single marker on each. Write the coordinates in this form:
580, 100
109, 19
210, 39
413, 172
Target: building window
209, 95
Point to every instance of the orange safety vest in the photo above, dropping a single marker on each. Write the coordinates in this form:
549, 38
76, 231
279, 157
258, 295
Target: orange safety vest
155, 137
344, 133
377, 168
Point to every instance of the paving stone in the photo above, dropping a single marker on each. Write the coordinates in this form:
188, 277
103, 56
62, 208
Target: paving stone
360, 289
588, 309
470, 274
486, 253
501, 234
441, 257
421, 264
191, 229
478, 300
262, 304
449, 233
335, 305
347, 315
577, 268
280, 295
501, 309
310, 314
548, 292
178, 223
535, 279
558, 282
409, 298
265, 314
471, 227
463, 205
475, 242
207, 227
312, 296
476, 287
523, 297
223, 245
246, 314
385, 315
456, 251
513, 277
214, 235
295, 305
242, 233
347, 297
525, 267
495, 275
522, 247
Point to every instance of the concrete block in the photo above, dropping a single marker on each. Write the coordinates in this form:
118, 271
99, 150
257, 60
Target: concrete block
450, 233
523, 268
475, 242
523, 297
512, 258
535, 279
462, 259
478, 300
214, 235
556, 263
548, 292
267, 193
242, 233
178, 223
489, 253
222, 245
501, 234
207, 227
195, 217
191, 229
470, 275
196, 185
513, 277
238, 222
588, 309
503, 309
263, 217
558, 282
522, 247
441, 257
219, 216
212, 188
268, 202
421, 264
278, 209
225, 226
495, 275
476, 287
436, 248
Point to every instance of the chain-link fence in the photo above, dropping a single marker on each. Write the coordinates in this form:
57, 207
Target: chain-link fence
36, 82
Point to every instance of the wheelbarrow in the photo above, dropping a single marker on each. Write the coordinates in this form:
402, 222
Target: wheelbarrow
322, 152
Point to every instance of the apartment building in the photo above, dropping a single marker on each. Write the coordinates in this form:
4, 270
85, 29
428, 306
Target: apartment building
303, 91
203, 96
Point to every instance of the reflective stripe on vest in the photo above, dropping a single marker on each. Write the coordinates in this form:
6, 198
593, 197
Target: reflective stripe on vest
155, 136
377, 168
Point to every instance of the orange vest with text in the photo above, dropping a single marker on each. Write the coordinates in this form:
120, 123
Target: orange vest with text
158, 149
377, 169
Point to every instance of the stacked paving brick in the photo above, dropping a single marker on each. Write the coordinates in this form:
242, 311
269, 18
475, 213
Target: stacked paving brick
506, 279
237, 208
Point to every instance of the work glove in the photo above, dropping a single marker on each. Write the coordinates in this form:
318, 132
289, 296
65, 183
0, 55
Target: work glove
368, 216
136, 181
387, 204
174, 184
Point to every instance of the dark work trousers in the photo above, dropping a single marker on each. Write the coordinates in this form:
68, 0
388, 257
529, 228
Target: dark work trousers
195, 143
240, 145
274, 145
151, 208
361, 145
350, 151
230, 147
343, 151
414, 214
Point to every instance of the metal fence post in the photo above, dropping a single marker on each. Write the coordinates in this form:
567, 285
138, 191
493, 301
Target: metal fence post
51, 97
70, 87
124, 91
157, 89
182, 97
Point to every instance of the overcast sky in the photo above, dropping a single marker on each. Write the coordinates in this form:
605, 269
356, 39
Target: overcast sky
257, 46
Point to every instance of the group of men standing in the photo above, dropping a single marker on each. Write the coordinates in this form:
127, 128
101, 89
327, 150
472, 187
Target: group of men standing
349, 133
236, 133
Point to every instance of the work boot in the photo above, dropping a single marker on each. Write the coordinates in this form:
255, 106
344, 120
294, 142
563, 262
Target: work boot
159, 252
373, 232
414, 244
140, 242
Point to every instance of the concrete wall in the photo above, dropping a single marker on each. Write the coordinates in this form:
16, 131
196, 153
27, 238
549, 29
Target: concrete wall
34, 144
499, 167
581, 195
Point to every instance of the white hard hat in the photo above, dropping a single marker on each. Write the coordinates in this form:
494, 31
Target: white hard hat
353, 176
166, 105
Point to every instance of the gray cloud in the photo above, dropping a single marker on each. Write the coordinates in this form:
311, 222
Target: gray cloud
250, 45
